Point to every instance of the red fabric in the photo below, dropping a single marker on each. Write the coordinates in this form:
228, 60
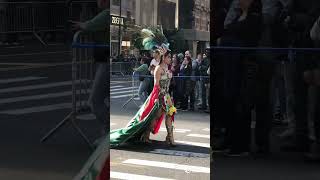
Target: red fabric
154, 95
105, 172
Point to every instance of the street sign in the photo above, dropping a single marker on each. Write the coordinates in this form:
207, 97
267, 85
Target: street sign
116, 20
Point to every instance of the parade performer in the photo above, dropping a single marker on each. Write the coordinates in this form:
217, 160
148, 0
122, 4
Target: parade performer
159, 105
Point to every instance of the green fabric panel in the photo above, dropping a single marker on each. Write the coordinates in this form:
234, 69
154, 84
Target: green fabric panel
135, 128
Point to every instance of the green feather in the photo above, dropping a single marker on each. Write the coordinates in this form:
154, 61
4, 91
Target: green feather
152, 37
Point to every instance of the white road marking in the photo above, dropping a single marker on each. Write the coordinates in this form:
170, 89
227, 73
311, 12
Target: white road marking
113, 87
199, 135
125, 88
121, 96
176, 130
12, 80
207, 145
127, 176
206, 129
123, 92
37, 109
86, 117
38, 97
188, 168
180, 153
40, 86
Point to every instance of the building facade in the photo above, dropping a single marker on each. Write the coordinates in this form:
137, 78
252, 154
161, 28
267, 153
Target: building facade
190, 17
194, 24
140, 13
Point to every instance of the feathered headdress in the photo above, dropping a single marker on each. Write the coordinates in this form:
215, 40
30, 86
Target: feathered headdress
153, 39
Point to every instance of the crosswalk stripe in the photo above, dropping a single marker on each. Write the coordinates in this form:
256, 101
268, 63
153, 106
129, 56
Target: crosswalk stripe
127, 176
33, 87
38, 97
206, 129
113, 87
180, 153
176, 130
125, 88
120, 82
196, 169
86, 117
207, 145
199, 135
121, 96
31, 78
37, 109
122, 92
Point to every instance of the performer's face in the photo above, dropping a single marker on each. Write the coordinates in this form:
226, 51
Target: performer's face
167, 59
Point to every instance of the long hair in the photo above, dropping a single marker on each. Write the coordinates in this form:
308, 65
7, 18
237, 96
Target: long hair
163, 56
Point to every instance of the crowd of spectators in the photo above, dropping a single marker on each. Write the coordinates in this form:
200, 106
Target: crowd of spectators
190, 84
275, 86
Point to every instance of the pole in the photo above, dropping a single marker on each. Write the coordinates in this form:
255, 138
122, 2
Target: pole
119, 50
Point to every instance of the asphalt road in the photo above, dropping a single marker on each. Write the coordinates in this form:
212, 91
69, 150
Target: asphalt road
35, 94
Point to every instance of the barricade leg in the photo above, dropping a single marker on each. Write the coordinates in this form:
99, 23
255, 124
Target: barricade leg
134, 95
56, 128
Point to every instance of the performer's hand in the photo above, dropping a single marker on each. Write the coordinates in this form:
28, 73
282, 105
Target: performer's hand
156, 100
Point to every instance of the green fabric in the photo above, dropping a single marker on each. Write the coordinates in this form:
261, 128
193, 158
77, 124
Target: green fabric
100, 27
143, 69
94, 164
99, 23
135, 127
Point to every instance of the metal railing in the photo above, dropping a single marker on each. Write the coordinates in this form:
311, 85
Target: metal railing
82, 79
36, 17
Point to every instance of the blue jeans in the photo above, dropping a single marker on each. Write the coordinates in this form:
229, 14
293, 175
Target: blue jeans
99, 97
143, 93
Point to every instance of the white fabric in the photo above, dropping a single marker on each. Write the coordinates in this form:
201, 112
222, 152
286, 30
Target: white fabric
154, 63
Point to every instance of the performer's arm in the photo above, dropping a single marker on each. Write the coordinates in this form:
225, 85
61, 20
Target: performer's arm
157, 75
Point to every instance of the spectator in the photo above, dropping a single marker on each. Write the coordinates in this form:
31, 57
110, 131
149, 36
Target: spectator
175, 69
186, 70
300, 19
193, 81
203, 67
144, 82
198, 83
100, 90
245, 31
154, 62
314, 152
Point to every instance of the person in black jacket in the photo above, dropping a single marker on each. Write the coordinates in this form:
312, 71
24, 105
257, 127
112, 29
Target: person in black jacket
244, 31
186, 70
300, 19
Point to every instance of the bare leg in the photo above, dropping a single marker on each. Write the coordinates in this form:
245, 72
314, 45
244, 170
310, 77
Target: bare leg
169, 126
146, 136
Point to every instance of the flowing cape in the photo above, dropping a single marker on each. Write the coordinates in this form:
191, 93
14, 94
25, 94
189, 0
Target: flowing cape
140, 122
